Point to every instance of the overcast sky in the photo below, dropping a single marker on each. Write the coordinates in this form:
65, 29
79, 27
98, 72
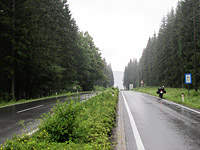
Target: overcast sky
120, 28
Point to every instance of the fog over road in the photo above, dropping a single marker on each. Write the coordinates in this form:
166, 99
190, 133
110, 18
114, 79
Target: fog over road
152, 123
27, 112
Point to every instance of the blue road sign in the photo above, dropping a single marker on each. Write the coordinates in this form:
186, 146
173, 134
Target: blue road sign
188, 78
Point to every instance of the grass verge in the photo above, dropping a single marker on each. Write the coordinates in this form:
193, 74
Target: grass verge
73, 126
174, 94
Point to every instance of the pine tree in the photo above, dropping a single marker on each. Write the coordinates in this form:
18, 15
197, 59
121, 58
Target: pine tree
174, 51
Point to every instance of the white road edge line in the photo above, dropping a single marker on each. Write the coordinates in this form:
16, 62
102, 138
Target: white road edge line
136, 134
30, 108
167, 101
171, 102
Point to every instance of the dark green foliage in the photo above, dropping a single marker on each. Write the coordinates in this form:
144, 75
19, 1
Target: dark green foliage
90, 65
131, 74
109, 73
108, 80
175, 51
42, 51
61, 124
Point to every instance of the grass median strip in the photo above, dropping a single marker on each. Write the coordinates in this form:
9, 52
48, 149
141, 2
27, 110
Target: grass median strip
74, 125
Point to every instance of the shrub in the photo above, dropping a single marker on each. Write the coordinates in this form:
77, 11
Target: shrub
60, 124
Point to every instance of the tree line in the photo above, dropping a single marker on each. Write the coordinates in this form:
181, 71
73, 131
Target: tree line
43, 51
172, 53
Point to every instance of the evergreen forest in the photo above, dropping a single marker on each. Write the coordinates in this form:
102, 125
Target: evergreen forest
172, 53
43, 51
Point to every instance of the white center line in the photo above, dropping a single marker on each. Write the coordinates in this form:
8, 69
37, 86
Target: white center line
136, 134
30, 108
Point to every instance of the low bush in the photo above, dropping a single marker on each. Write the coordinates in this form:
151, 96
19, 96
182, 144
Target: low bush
73, 126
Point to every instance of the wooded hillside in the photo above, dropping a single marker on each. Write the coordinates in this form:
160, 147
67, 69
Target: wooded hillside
173, 52
43, 51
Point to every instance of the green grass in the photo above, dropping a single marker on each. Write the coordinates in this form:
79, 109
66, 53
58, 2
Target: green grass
174, 94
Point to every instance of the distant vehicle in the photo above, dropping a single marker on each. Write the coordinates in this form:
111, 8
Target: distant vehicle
161, 91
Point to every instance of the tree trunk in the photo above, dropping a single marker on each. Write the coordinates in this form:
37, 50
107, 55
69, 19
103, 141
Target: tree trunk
13, 55
195, 53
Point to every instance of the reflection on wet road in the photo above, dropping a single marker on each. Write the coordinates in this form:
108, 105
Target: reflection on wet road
28, 112
161, 124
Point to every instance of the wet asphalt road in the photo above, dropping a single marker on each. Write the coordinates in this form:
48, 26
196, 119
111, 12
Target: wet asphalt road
29, 113
160, 124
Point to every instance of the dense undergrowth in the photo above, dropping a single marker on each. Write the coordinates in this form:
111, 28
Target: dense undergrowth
73, 126
175, 94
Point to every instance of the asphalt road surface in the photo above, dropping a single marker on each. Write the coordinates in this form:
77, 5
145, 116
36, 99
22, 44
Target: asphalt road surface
151, 123
29, 113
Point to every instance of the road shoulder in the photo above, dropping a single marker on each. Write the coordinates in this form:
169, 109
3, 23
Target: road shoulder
120, 130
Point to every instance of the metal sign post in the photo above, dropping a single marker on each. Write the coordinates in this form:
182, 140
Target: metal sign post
188, 80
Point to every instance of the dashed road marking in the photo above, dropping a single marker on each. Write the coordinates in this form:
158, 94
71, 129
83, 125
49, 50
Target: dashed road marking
30, 108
